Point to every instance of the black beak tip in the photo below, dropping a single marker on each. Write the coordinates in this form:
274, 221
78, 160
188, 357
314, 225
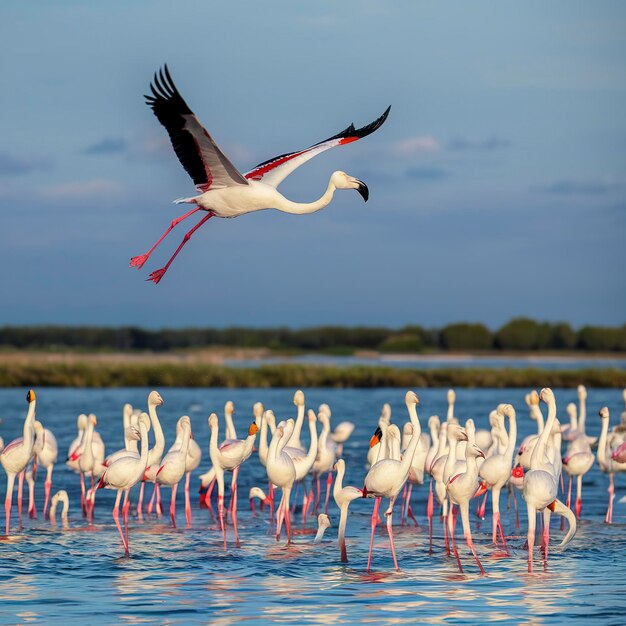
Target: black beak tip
363, 191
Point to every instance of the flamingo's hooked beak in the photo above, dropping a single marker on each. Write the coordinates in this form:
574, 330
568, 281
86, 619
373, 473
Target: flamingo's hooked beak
376, 437
362, 189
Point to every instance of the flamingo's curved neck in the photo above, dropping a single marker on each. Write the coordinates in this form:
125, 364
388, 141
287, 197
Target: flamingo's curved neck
159, 439
407, 459
602, 443
143, 458
28, 434
263, 442
537, 458
510, 449
302, 208
582, 415
341, 470
539, 417
294, 440
313, 445
231, 433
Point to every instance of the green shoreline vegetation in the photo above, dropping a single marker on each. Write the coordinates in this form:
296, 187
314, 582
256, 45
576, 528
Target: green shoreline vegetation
118, 374
520, 334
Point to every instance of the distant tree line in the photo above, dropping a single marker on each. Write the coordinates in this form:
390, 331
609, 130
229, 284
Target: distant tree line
518, 334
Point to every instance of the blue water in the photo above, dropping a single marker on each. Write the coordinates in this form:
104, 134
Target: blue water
181, 576
443, 361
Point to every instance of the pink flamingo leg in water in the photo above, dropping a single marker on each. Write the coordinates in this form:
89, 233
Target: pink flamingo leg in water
429, 513
116, 518
8, 500
20, 485
374, 524
329, 482
47, 486
140, 503
270, 495
157, 275
82, 494
150, 506
233, 499
207, 498
220, 514
450, 522
389, 514
187, 500
32, 509
173, 505
125, 510
139, 261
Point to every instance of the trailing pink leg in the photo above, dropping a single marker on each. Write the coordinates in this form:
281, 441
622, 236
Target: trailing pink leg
159, 506
450, 523
157, 275
270, 495
138, 261
125, 510
295, 498
470, 545
83, 503
207, 498
150, 506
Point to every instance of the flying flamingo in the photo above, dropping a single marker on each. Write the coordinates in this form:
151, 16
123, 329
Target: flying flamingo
343, 496
15, 458
541, 484
172, 466
123, 474
496, 471
386, 478
228, 457
224, 191
461, 489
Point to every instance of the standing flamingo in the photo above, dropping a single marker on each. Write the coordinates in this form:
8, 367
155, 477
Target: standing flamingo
123, 474
386, 478
228, 457
607, 463
224, 191
541, 484
173, 464
496, 471
15, 457
343, 496
461, 489
46, 458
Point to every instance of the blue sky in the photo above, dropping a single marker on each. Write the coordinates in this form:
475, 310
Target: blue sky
497, 185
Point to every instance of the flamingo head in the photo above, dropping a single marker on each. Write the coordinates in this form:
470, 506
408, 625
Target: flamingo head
571, 409
298, 398
411, 399
451, 396
30, 396
155, 399
81, 422
433, 422
213, 422
475, 452
534, 398
323, 521
324, 408
582, 392
341, 180
92, 419
253, 430
257, 410
229, 407
339, 464
144, 420
547, 395
385, 414
456, 432
376, 437
604, 413
311, 416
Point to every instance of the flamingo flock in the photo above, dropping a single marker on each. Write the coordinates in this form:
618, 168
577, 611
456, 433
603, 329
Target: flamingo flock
465, 463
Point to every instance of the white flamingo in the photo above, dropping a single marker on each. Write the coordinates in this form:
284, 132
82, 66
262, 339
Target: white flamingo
15, 457
224, 191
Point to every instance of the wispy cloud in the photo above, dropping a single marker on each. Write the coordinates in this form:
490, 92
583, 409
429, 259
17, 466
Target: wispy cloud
82, 190
425, 173
494, 142
12, 165
568, 187
414, 146
108, 145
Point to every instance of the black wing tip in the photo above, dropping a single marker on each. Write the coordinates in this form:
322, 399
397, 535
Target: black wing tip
375, 125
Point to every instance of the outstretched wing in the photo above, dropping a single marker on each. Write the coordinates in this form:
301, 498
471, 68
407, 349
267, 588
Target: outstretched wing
274, 171
198, 153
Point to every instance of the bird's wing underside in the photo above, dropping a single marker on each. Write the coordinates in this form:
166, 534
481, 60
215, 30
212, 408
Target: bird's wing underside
274, 171
207, 165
